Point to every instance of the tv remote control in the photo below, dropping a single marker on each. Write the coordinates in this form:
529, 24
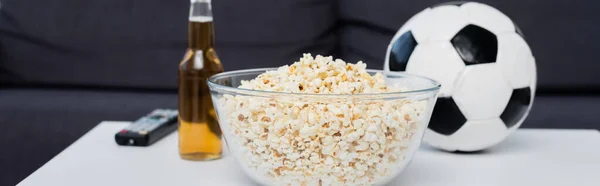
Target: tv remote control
148, 129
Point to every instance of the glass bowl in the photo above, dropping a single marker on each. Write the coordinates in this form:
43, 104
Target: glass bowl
282, 138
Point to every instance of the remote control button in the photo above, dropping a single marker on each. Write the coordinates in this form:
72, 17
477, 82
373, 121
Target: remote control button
156, 117
143, 132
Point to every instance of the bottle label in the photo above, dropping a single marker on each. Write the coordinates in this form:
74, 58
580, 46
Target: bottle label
198, 60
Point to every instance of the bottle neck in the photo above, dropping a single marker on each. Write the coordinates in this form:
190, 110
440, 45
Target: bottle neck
201, 29
201, 35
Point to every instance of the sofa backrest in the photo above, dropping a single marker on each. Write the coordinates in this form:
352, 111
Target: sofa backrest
563, 35
114, 43
139, 43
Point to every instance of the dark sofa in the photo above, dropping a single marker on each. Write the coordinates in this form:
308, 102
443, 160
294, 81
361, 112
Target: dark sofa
66, 65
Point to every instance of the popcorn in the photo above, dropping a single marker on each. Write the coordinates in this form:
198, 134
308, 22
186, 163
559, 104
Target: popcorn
303, 140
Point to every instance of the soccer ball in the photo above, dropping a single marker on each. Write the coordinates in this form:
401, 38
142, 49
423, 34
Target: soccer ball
485, 67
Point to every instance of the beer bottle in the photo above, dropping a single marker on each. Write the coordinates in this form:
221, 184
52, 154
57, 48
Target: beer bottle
199, 132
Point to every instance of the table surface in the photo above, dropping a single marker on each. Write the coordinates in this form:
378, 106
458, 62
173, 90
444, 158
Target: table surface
528, 157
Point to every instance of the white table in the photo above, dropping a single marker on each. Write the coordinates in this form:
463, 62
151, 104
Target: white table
528, 157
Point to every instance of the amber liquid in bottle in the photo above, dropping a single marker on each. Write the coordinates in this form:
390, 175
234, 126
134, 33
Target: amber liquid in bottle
199, 132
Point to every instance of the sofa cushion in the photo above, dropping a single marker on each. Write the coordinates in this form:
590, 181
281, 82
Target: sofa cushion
37, 124
579, 112
563, 43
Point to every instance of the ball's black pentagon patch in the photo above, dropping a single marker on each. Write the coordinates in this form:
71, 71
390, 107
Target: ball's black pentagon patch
401, 50
446, 118
456, 3
476, 45
517, 106
518, 31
